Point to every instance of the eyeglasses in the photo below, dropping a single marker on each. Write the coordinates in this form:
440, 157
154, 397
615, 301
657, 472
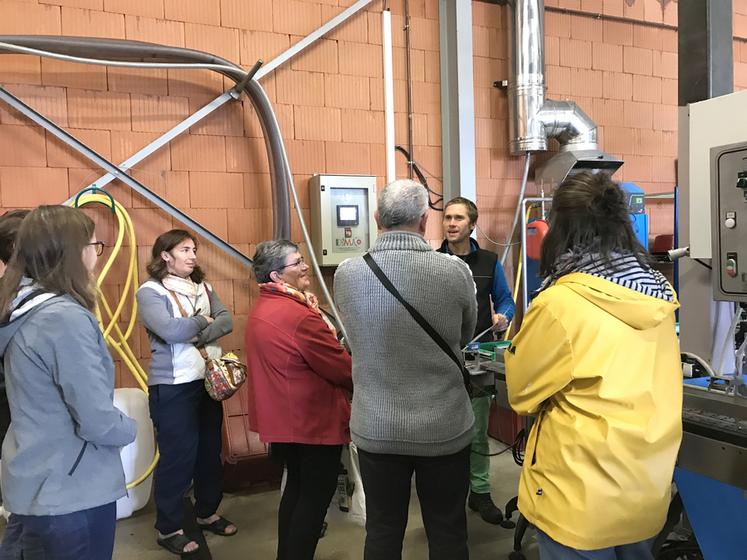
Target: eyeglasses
99, 245
298, 262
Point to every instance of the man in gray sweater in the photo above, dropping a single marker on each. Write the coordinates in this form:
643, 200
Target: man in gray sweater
411, 412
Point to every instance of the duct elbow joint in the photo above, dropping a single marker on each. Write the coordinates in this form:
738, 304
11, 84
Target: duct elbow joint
567, 122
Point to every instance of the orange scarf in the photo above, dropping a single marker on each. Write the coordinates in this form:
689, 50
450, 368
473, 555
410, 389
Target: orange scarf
307, 298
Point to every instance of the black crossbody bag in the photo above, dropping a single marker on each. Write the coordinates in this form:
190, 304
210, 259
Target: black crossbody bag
420, 320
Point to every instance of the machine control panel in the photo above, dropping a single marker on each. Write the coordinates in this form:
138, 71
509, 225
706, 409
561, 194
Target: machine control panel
342, 222
729, 213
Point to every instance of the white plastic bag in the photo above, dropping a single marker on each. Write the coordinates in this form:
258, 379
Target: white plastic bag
358, 499
349, 501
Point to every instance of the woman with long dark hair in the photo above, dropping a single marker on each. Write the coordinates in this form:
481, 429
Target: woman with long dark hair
62, 472
182, 314
597, 361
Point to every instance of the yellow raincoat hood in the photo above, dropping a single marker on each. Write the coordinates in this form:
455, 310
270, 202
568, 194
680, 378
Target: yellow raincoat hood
633, 308
598, 364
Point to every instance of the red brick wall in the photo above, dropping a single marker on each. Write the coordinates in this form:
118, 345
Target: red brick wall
329, 102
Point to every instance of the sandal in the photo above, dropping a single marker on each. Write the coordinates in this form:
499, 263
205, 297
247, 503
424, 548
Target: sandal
177, 543
218, 527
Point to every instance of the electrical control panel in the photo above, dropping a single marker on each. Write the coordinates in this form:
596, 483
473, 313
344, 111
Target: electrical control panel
342, 216
729, 221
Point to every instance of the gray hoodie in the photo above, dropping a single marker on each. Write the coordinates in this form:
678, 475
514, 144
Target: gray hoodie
61, 452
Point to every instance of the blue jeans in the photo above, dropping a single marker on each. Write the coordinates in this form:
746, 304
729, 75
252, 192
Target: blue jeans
15, 546
552, 550
81, 535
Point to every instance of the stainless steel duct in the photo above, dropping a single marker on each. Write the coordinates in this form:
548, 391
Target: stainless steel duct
534, 119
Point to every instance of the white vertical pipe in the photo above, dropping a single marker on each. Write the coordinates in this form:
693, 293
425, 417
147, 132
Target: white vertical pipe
386, 33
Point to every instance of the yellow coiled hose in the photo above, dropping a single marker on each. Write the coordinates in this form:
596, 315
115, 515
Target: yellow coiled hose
115, 338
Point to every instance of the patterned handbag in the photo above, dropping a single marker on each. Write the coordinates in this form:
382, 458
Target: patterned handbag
224, 375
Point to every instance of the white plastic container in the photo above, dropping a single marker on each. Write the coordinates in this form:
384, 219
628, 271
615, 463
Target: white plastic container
137, 456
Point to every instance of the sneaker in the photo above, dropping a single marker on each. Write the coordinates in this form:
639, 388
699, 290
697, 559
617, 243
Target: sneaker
483, 504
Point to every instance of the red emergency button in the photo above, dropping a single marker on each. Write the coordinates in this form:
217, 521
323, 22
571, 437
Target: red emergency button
731, 267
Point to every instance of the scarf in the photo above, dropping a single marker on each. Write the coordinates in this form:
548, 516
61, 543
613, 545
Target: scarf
26, 287
307, 298
622, 269
199, 300
196, 294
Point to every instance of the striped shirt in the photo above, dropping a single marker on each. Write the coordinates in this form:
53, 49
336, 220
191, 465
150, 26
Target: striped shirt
625, 270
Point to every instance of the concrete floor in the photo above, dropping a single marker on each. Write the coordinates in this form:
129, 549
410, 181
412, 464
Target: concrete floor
255, 513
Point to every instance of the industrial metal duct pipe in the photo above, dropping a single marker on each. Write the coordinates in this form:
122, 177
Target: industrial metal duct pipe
566, 121
532, 119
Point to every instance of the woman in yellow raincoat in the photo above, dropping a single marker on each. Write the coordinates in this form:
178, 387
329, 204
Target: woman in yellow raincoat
597, 361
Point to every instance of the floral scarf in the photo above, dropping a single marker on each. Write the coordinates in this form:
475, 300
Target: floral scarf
196, 294
307, 298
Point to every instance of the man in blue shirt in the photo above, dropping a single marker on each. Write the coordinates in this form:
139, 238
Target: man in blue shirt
495, 308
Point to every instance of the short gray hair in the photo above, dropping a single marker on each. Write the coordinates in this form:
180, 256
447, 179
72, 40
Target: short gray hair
402, 203
271, 256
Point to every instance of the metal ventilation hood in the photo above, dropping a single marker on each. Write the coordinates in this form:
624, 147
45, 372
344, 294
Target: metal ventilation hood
566, 163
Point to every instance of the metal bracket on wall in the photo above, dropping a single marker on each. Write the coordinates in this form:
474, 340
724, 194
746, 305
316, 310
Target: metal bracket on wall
119, 172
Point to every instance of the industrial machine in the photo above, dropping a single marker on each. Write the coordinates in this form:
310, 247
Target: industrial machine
636, 203
711, 474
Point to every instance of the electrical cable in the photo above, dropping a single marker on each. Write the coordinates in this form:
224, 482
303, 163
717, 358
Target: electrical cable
423, 180
501, 452
498, 243
518, 447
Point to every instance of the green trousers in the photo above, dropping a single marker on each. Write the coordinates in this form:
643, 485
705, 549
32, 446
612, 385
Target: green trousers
479, 465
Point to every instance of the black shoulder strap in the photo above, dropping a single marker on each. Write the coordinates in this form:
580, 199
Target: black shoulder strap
437, 338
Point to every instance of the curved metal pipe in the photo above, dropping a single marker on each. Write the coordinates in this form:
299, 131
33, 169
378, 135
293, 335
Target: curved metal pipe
566, 121
138, 54
117, 51
280, 174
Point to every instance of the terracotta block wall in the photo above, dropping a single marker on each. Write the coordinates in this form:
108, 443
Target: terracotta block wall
329, 102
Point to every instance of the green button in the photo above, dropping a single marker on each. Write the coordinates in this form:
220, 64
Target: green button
731, 267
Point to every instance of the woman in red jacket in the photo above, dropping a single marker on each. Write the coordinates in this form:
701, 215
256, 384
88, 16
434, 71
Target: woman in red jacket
302, 379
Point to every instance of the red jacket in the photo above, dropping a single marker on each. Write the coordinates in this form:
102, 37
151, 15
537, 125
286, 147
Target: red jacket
300, 373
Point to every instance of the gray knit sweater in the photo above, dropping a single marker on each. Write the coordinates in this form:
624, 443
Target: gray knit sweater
409, 396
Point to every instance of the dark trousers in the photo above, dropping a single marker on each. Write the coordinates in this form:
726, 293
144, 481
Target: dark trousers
442, 484
309, 487
188, 431
81, 535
